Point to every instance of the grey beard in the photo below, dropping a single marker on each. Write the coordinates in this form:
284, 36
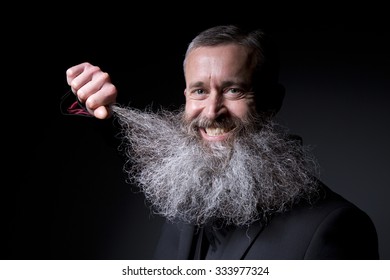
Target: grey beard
259, 171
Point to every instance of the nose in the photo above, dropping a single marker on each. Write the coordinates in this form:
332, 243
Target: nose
214, 106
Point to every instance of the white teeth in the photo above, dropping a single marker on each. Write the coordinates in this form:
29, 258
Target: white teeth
214, 131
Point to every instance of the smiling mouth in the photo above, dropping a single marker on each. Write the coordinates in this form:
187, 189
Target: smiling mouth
216, 131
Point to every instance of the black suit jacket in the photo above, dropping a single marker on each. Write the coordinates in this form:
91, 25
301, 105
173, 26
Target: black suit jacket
333, 228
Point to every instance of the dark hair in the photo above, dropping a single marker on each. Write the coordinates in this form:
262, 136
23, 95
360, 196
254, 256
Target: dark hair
269, 93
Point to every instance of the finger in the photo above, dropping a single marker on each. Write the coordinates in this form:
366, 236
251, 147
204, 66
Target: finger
92, 83
74, 71
81, 78
103, 97
103, 112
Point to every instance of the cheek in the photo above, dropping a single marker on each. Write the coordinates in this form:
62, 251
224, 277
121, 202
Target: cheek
192, 109
239, 109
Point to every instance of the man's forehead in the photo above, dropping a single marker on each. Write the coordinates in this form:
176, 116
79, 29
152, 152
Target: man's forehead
219, 51
227, 64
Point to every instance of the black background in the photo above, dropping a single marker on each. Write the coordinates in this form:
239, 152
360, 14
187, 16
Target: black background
64, 191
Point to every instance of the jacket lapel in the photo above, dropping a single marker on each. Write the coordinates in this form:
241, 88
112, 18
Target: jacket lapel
233, 243
175, 241
185, 241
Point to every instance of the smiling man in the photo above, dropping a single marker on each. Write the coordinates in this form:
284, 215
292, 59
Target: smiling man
218, 80
231, 182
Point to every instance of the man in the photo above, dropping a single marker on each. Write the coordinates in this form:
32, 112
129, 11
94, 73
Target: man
231, 182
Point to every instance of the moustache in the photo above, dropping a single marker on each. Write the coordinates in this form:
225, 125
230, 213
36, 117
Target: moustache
233, 124
226, 122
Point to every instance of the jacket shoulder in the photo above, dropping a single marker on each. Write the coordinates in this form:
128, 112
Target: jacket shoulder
331, 228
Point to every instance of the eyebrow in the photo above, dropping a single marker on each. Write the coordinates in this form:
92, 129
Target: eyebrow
225, 84
197, 84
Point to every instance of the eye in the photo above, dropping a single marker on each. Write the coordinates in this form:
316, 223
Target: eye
198, 94
234, 93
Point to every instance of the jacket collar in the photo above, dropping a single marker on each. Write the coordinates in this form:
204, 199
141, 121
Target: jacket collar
233, 243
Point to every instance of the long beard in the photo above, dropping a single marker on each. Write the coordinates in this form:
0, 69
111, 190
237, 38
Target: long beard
257, 172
